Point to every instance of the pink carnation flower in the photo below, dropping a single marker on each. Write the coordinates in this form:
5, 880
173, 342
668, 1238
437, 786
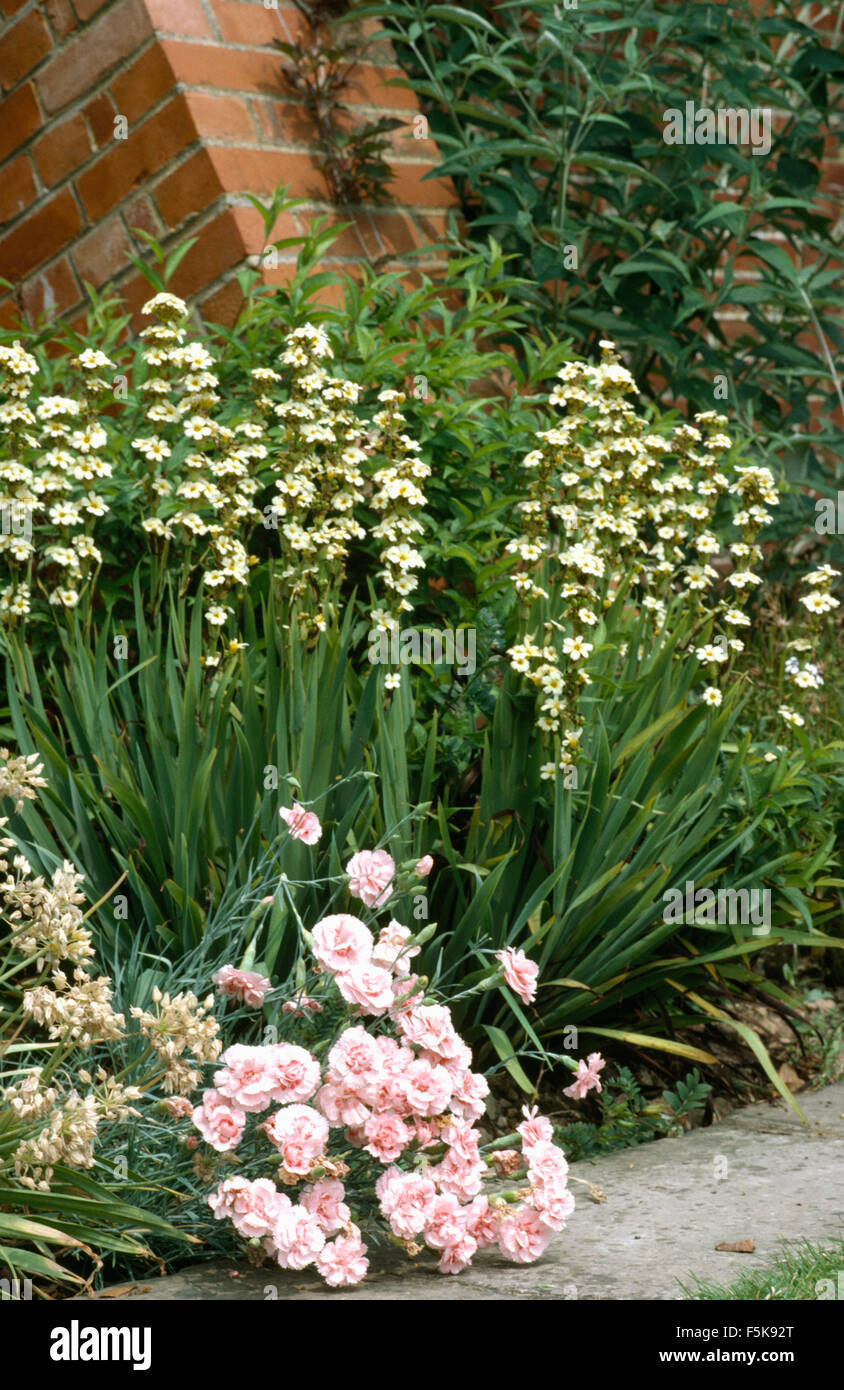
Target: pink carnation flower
391, 949
469, 1095
252, 1207
303, 825
367, 986
343, 1261
247, 1076
464, 1178
219, 1122
407, 1202
547, 1163
535, 1128
388, 1136
370, 874
247, 985
426, 1088
297, 1238
446, 1222
587, 1076
482, 1222
342, 942
355, 1057
553, 1202
520, 973
340, 1105
295, 1072
457, 1255
324, 1200
522, 1236
430, 1026
300, 1134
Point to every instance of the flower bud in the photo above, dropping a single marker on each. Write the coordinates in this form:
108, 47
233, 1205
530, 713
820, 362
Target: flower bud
420, 937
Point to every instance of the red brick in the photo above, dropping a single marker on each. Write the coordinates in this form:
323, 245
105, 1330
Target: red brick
190, 188
224, 304
62, 149
387, 233
92, 53
21, 119
21, 47
219, 247
261, 171
373, 86
254, 24
134, 293
19, 187
180, 17
61, 17
285, 120
10, 314
149, 148
142, 214
208, 65
86, 9
221, 117
103, 253
40, 237
10, 7
99, 114
51, 293
408, 188
142, 86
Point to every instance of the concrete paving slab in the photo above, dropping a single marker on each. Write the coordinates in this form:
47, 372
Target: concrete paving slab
761, 1175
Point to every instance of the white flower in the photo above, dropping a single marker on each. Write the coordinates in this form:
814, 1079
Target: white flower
576, 648
710, 652
791, 717
819, 602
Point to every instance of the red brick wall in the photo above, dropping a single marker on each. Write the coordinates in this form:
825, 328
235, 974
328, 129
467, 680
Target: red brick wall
207, 120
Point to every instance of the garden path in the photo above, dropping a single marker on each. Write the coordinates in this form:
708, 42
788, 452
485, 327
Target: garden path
760, 1175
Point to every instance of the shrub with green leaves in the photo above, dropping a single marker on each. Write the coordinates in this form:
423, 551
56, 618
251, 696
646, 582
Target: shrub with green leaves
597, 757
713, 262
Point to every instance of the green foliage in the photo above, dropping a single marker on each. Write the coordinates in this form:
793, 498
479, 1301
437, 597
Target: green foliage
627, 1118
158, 765
804, 1270
550, 119
172, 777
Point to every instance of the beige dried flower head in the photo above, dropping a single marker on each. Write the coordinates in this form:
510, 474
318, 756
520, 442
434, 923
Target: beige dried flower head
20, 777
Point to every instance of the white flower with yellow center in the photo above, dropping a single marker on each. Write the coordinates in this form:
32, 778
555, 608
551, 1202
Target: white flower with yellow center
819, 602
711, 652
576, 648
91, 360
791, 717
